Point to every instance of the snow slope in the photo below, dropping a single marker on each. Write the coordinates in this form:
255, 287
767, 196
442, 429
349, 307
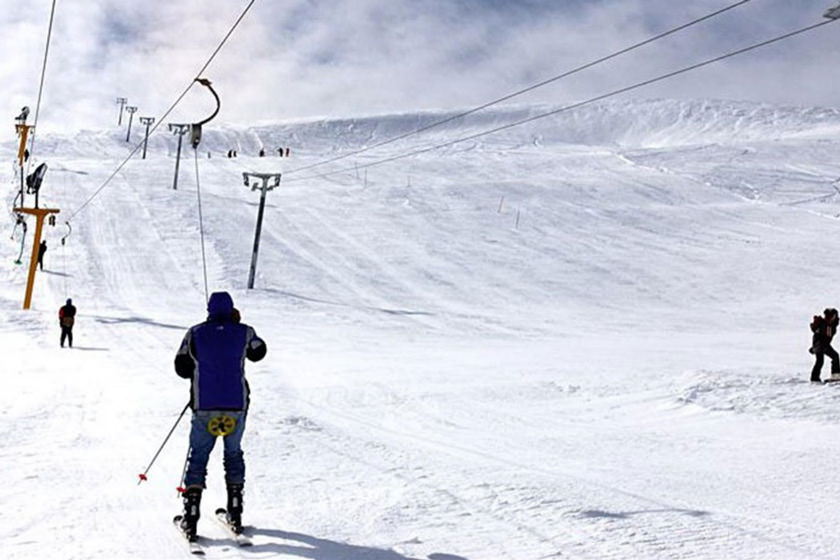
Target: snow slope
581, 338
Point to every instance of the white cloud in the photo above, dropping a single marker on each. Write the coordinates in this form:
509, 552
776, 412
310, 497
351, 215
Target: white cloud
300, 58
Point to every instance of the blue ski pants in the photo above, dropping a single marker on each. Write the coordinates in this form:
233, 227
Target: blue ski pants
202, 442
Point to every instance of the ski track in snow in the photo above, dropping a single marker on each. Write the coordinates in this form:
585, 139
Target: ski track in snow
582, 339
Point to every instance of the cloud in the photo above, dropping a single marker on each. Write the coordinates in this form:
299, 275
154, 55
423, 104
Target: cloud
302, 58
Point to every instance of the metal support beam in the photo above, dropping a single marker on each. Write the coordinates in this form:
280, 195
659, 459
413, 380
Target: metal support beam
264, 187
131, 110
148, 121
40, 214
121, 101
180, 130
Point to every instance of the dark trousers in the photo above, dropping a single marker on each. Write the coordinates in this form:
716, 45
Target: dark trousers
827, 350
67, 333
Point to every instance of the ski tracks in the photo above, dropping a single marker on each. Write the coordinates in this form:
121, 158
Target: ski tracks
504, 499
361, 276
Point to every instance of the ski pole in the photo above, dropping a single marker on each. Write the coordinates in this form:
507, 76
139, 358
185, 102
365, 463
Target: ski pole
144, 473
181, 488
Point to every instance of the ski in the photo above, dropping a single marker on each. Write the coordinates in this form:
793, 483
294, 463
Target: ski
239, 538
194, 547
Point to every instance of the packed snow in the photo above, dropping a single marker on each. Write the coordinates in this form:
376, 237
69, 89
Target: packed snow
585, 337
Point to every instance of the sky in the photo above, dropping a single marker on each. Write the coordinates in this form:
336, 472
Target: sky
294, 59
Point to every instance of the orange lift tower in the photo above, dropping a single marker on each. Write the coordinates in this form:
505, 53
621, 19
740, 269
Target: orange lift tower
33, 185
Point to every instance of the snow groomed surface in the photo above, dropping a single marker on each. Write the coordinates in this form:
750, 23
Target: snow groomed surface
585, 338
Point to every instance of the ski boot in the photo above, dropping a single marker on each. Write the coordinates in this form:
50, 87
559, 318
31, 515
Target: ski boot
192, 511
234, 506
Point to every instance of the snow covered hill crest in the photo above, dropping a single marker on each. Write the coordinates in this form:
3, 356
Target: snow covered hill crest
629, 124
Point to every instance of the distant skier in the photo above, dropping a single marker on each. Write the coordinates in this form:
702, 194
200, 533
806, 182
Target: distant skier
42, 248
262, 152
212, 355
824, 329
66, 319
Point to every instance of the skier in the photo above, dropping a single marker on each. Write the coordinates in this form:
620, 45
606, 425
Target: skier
42, 248
824, 328
212, 354
66, 318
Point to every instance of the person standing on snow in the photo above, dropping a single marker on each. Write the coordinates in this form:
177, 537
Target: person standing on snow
212, 354
66, 319
824, 329
42, 248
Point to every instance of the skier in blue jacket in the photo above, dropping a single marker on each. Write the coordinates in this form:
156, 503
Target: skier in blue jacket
213, 355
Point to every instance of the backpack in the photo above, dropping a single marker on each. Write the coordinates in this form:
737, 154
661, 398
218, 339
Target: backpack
66, 320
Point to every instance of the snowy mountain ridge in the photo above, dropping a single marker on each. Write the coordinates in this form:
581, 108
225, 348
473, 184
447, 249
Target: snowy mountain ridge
629, 124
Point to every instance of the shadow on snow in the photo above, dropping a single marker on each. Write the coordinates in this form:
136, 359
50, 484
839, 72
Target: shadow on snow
342, 304
628, 514
142, 320
322, 549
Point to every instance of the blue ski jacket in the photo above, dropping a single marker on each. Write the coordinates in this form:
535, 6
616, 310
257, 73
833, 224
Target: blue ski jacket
212, 354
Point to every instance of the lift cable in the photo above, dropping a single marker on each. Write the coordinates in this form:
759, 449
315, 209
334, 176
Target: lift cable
41, 88
574, 105
522, 91
195, 140
168, 111
201, 227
